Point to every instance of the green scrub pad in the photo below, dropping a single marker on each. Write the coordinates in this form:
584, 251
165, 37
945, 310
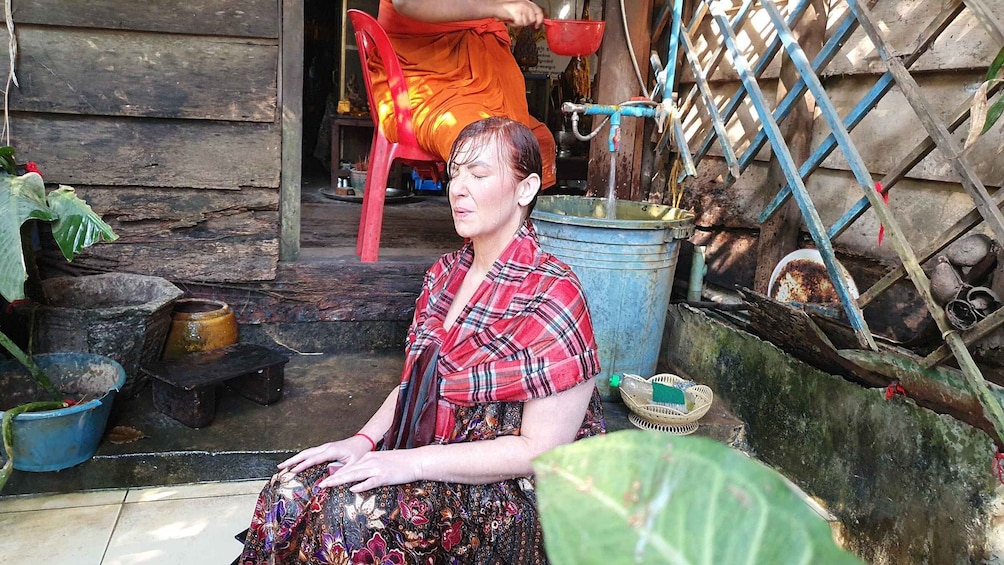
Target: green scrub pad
666, 394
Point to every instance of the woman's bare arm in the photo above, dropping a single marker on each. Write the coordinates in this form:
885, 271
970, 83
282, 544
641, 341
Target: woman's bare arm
351, 448
517, 12
547, 423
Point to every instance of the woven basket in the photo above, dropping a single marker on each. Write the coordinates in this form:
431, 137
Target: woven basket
660, 417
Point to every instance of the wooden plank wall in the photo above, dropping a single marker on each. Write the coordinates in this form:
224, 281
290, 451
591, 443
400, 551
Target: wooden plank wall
164, 115
926, 202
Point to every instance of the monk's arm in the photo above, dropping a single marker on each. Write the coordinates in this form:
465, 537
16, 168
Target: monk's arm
517, 12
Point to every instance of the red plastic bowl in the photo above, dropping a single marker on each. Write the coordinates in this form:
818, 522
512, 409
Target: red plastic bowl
574, 38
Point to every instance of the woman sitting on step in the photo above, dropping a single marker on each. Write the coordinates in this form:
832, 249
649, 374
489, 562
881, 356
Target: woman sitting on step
500, 365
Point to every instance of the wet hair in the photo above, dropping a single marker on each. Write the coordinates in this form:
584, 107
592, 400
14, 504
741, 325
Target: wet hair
519, 147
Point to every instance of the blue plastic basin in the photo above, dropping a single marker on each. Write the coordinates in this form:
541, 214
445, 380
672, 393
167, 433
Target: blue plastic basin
58, 439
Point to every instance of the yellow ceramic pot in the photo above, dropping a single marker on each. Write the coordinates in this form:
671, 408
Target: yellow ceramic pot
199, 324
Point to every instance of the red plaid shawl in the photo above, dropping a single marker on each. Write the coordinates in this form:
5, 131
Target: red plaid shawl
525, 334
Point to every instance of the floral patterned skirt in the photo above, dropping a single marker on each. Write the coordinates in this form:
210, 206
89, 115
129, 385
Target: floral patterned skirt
425, 522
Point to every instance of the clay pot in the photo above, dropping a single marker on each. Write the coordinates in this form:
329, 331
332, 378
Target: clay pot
945, 281
199, 324
969, 250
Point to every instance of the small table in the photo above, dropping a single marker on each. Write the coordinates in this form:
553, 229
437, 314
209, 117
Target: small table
185, 388
337, 123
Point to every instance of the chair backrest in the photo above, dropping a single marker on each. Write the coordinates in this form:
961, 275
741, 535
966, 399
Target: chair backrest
372, 39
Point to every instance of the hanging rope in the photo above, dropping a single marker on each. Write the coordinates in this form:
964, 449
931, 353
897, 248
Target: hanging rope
676, 187
634, 60
11, 77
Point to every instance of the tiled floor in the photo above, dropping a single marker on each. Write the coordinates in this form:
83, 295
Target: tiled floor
183, 524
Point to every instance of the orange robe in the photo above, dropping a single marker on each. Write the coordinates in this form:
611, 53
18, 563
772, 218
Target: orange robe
457, 73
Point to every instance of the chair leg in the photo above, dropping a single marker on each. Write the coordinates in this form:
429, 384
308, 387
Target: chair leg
379, 148
375, 194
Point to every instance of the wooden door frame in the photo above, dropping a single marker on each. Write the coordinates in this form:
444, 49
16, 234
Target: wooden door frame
290, 87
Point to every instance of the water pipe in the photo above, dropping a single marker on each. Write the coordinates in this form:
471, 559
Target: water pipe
640, 109
698, 268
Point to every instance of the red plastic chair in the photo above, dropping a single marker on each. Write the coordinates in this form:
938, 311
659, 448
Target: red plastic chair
371, 38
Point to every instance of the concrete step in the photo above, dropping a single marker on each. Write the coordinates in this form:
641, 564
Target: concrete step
325, 397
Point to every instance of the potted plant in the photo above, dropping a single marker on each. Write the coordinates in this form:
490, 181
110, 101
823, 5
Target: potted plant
358, 175
63, 400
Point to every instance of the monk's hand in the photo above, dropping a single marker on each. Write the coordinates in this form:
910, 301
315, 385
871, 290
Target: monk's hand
520, 12
344, 451
376, 469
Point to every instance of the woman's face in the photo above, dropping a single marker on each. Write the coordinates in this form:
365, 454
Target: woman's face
486, 198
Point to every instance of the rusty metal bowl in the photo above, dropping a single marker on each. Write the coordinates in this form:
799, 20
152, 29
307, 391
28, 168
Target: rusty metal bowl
801, 277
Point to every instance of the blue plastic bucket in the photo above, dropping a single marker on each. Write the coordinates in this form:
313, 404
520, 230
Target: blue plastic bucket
626, 266
57, 439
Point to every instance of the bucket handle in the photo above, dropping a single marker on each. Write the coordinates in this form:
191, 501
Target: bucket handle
679, 232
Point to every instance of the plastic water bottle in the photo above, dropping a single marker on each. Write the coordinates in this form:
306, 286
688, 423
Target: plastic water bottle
644, 391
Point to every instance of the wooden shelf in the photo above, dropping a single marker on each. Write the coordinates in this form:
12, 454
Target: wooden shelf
337, 123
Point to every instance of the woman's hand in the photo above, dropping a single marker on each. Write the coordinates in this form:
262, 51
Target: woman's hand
345, 451
376, 469
520, 13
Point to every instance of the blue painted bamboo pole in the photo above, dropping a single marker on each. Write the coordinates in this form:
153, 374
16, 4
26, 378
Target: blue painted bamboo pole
716, 55
682, 147
823, 102
719, 52
787, 164
673, 52
737, 22
870, 100
830, 50
758, 69
709, 104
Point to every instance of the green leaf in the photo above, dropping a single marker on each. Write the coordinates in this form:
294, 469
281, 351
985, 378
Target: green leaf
647, 497
995, 66
993, 114
7, 162
21, 198
76, 225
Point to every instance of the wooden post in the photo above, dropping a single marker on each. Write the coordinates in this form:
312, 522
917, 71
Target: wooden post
616, 83
291, 120
779, 234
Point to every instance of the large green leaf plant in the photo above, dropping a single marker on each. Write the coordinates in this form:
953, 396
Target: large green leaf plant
75, 226
638, 496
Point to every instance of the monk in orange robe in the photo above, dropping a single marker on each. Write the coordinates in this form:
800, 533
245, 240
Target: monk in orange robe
457, 61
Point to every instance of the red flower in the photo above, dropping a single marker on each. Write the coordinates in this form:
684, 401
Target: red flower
451, 536
375, 553
31, 167
413, 510
332, 550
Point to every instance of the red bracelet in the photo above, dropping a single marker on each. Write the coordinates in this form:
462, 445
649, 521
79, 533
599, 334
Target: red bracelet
369, 439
